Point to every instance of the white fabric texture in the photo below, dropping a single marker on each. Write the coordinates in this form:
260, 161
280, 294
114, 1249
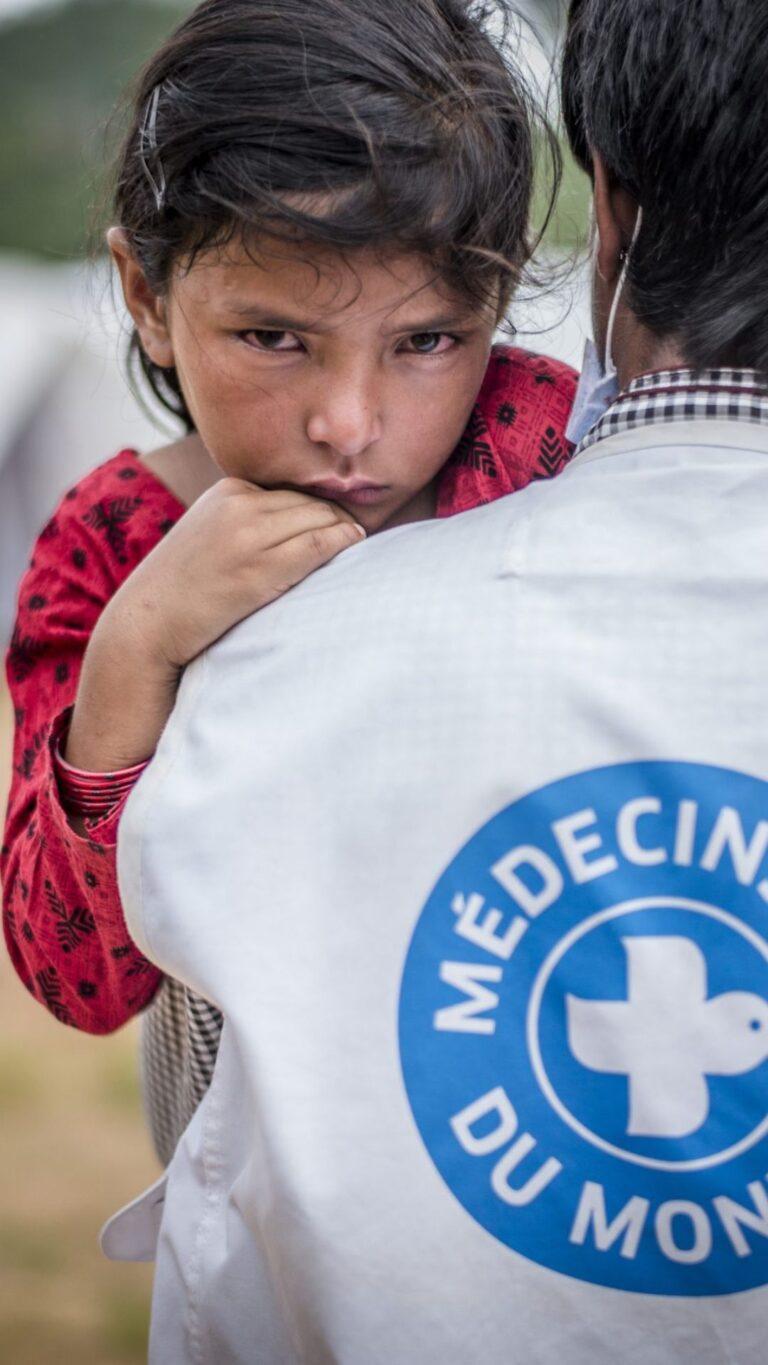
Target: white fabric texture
379, 1175
181, 1032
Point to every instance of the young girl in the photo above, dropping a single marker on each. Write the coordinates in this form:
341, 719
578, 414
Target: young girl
322, 214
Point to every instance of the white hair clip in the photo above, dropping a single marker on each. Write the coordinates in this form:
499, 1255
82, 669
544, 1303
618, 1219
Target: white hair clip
148, 141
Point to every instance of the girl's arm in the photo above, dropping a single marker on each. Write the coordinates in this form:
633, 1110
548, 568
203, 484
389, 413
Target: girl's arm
102, 636
236, 549
63, 920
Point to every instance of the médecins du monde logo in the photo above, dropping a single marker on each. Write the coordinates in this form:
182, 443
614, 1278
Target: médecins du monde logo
584, 1028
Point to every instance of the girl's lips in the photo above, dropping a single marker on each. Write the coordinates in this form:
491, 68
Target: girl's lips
352, 494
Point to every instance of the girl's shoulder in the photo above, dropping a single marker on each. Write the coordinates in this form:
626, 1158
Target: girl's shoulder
512, 370
124, 479
116, 513
526, 400
516, 432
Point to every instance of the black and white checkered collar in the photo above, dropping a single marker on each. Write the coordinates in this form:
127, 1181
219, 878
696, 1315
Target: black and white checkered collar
680, 396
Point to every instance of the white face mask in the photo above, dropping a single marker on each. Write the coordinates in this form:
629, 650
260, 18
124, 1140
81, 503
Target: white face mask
599, 383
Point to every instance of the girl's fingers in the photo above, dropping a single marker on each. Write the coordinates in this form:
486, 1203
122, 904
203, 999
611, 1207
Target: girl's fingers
303, 518
294, 559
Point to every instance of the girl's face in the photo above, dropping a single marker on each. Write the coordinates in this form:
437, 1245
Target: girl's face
350, 379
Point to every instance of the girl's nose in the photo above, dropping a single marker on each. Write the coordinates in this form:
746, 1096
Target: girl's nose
346, 418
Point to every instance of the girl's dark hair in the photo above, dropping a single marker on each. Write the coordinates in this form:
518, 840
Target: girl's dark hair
674, 97
405, 119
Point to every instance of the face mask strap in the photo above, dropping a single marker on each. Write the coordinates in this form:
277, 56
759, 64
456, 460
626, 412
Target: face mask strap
610, 368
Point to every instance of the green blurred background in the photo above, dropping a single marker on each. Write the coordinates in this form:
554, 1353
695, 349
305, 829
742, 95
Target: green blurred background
62, 70
73, 1144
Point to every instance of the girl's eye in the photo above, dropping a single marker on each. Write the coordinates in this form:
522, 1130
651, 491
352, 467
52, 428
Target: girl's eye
272, 341
431, 343
418, 343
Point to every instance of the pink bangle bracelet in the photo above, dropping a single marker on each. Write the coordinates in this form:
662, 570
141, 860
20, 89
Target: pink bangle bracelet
87, 793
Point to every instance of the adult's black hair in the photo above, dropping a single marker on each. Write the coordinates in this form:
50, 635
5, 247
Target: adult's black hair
403, 121
673, 94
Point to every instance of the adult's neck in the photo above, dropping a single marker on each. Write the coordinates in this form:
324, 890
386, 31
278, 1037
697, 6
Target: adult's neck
640, 352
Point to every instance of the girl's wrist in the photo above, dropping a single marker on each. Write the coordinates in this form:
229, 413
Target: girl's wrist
126, 627
93, 794
123, 702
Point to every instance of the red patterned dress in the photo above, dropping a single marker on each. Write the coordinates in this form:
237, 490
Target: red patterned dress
63, 921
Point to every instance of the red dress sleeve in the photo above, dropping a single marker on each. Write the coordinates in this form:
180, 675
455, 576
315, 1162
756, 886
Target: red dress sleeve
63, 921
516, 432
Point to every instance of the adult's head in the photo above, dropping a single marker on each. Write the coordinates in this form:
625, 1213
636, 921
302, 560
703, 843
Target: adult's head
345, 166
666, 106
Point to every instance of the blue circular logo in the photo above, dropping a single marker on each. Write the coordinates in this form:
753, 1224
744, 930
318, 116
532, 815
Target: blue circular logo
584, 1028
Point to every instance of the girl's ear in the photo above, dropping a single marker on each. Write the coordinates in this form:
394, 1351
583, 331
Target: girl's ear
145, 306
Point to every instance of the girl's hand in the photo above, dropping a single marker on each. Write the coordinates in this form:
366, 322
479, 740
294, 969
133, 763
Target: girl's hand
237, 548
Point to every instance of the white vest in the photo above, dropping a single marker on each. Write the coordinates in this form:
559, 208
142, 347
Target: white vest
467, 838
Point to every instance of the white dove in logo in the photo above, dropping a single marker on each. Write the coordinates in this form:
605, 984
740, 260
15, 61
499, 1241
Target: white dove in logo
667, 1037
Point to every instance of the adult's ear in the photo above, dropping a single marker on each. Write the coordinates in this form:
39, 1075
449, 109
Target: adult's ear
145, 306
615, 217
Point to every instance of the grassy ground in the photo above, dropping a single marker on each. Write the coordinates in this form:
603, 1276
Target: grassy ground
73, 1148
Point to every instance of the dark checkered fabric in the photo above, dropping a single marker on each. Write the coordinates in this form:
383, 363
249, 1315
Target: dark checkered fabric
180, 1034
683, 395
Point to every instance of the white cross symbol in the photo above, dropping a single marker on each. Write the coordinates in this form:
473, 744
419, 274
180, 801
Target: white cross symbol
667, 1037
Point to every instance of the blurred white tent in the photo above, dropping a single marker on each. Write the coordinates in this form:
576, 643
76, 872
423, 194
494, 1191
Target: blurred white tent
64, 406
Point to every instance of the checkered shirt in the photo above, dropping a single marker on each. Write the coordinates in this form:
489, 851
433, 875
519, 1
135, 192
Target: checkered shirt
683, 395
